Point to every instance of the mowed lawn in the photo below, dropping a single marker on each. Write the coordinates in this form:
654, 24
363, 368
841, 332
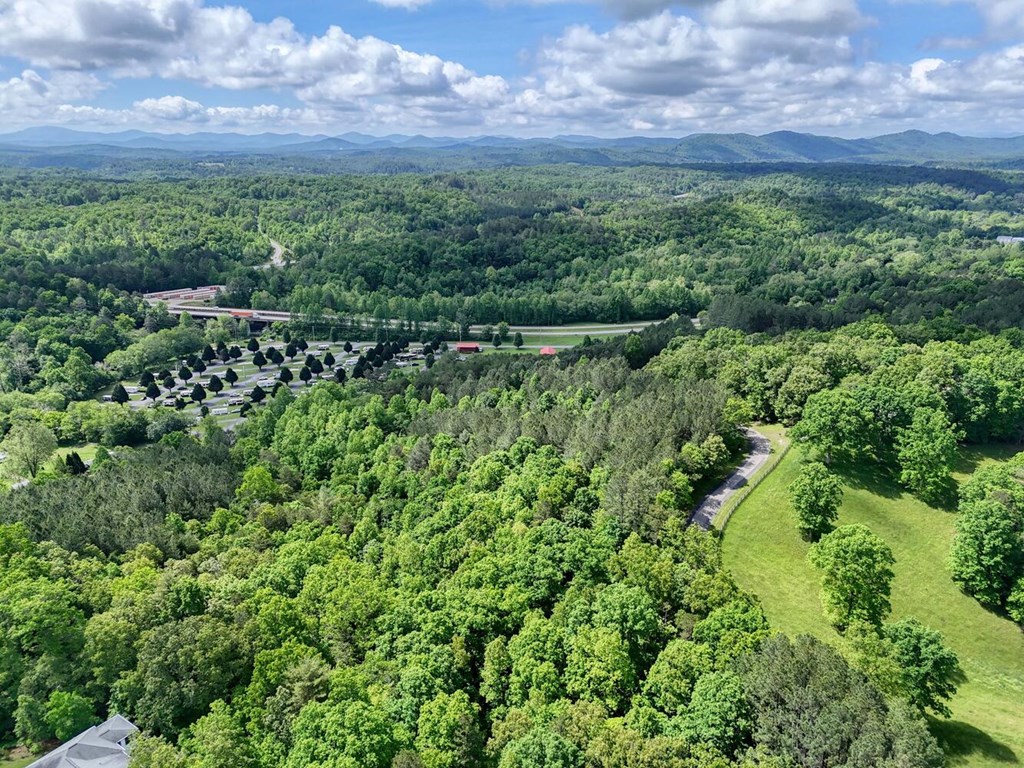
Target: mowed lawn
766, 555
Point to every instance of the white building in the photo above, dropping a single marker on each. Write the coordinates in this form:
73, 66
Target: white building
102, 746
1007, 240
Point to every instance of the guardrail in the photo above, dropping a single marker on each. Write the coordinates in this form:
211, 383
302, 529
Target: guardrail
730, 506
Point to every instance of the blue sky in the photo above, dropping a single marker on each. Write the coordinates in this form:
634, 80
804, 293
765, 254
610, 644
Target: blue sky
526, 67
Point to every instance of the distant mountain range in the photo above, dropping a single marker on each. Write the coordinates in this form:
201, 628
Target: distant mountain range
64, 146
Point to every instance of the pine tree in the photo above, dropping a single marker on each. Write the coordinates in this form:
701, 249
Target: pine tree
120, 394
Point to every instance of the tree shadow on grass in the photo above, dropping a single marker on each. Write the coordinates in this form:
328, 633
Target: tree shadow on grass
876, 479
959, 740
868, 477
970, 456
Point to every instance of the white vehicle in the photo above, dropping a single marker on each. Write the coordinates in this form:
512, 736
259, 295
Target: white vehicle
219, 411
351, 361
132, 390
323, 346
236, 401
169, 402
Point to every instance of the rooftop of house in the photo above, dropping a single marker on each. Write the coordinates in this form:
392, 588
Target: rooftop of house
101, 746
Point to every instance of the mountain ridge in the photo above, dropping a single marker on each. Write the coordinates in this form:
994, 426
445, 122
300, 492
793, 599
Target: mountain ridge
907, 147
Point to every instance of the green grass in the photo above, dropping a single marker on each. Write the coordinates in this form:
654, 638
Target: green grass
766, 555
20, 762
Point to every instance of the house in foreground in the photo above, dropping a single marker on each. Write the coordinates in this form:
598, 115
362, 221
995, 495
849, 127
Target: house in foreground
102, 746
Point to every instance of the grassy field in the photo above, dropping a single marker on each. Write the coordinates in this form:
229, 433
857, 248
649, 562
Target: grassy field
766, 555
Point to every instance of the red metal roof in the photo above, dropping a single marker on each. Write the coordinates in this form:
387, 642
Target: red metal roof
548, 351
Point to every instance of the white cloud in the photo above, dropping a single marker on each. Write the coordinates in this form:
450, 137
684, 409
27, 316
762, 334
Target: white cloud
731, 65
93, 34
224, 47
32, 95
409, 5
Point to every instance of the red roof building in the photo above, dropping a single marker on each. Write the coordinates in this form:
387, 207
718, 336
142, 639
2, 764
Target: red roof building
467, 346
548, 351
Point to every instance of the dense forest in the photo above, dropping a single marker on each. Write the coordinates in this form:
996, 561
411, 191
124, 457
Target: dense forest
489, 561
757, 247
489, 565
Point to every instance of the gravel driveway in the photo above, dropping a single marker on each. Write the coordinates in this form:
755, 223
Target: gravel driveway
760, 449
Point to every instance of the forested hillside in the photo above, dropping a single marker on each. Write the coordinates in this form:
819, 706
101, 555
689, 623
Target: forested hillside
758, 247
486, 559
490, 566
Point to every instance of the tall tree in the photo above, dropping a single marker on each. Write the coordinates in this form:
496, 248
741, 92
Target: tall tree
856, 568
119, 394
816, 494
834, 423
927, 450
927, 669
987, 555
29, 445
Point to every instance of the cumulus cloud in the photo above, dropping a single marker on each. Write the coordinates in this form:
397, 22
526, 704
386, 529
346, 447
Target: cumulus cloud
721, 65
93, 34
31, 94
225, 47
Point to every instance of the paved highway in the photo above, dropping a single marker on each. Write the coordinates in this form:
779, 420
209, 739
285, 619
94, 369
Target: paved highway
182, 301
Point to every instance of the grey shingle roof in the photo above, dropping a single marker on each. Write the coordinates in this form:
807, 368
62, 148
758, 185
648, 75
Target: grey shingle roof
102, 746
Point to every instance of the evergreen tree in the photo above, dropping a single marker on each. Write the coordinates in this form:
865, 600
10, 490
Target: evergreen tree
119, 394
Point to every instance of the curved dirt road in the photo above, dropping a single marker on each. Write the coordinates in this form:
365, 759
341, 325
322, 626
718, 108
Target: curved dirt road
760, 449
